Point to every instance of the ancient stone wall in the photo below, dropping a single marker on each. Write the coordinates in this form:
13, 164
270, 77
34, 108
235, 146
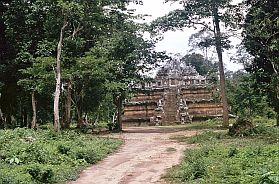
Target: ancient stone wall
178, 94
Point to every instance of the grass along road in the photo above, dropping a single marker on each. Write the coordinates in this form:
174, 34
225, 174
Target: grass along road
251, 157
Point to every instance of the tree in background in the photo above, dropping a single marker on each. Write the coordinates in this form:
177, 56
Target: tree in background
74, 17
202, 40
202, 65
245, 97
261, 38
37, 79
96, 45
209, 16
119, 60
21, 31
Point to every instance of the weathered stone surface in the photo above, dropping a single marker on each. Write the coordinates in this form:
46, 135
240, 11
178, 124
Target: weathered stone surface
178, 94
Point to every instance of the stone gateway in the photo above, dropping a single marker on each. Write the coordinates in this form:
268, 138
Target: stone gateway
177, 95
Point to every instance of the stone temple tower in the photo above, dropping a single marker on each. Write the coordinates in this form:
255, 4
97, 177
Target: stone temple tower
178, 94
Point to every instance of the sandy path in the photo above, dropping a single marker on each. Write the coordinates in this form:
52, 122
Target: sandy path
144, 157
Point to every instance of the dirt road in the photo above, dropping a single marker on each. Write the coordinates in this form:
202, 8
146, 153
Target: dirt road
143, 158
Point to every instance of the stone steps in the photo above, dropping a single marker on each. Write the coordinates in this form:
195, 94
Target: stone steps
170, 107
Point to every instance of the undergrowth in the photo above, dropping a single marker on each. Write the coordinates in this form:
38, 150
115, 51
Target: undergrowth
210, 124
252, 157
43, 156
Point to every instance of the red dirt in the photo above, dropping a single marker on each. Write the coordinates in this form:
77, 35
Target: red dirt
142, 159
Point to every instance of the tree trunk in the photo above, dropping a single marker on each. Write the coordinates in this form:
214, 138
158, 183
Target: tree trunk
276, 109
97, 119
119, 112
79, 116
1, 119
86, 119
277, 115
25, 117
78, 96
8, 121
68, 106
13, 121
218, 45
28, 121
277, 119
34, 118
58, 80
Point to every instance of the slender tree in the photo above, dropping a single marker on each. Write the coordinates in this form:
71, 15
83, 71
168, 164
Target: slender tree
75, 17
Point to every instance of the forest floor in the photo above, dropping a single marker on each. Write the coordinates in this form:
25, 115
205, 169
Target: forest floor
144, 157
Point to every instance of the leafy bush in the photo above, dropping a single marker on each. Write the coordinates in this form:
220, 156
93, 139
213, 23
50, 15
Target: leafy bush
205, 136
244, 127
90, 156
264, 121
41, 173
63, 149
228, 164
8, 177
192, 168
232, 151
251, 158
215, 123
262, 130
44, 156
269, 178
240, 127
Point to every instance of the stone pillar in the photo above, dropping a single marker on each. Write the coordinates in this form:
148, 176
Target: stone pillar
159, 111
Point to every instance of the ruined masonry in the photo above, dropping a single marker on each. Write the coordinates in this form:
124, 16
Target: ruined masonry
177, 95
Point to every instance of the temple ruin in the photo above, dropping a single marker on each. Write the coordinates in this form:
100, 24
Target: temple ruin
177, 95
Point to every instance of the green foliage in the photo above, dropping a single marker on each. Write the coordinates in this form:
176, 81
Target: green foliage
232, 151
246, 128
193, 14
202, 65
63, 149
207, 16
90, 156
39, 76
103, 51
265, 132
245, 96
206, 136
44, 156
40, 174
263, 120
214, 123
241, 127
260, 34
251, 158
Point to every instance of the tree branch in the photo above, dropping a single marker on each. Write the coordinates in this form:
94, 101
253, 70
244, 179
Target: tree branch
76, 30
